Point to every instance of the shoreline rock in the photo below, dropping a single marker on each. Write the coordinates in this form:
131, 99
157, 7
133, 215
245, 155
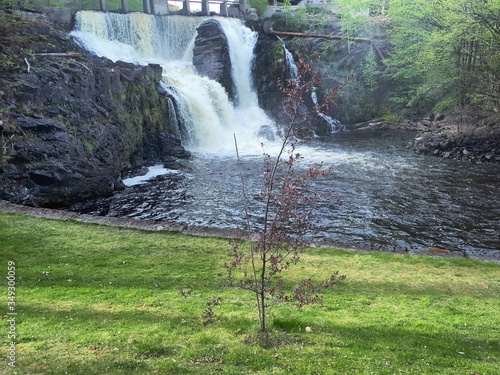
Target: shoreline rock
490, 256
447, 137
456, 137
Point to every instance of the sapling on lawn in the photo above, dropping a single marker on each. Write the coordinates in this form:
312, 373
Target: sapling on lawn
286, 199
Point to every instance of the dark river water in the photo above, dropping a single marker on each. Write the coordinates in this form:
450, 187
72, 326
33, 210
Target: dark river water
385, 195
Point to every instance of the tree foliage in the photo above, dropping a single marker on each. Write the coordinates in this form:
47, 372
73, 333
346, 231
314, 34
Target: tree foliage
259, 5
354, 14
445, 53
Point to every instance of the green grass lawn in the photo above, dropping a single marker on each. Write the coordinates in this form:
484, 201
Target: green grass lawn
105, 300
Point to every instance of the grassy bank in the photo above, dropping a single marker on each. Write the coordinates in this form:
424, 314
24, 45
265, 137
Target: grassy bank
104, 300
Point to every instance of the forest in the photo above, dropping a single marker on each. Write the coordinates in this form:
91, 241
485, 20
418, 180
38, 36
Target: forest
445, 54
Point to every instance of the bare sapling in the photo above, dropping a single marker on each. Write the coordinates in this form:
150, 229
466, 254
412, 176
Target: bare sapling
276, 241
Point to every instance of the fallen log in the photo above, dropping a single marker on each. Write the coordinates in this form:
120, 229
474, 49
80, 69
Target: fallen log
326, 36
62, 54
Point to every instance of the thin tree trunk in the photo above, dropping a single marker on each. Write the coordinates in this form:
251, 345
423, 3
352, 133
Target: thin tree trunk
263, 311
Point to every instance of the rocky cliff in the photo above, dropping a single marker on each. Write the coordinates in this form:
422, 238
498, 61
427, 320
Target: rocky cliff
211, 55
355, 65
71, 123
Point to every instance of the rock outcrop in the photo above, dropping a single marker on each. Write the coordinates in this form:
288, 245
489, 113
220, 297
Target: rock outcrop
71, 123
211, 55
475, 140
268, 68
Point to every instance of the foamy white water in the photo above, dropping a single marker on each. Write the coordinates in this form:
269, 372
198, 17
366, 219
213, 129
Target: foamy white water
210, 119
153, 171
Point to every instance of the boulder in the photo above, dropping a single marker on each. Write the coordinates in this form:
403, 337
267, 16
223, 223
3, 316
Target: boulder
211, 55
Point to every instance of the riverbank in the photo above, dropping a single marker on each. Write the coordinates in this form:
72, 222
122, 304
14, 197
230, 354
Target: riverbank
458, 137
96, 299
149, 225
461, 137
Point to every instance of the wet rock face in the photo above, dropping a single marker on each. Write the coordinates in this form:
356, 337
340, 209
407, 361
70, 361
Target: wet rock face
71, 125
211, 55
265, 75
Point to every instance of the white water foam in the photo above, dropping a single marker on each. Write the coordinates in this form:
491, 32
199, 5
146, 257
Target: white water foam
212, 119
153, 171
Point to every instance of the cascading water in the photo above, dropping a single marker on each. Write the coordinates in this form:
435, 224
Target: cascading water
205, 116
178, 114
290, 64
334, 124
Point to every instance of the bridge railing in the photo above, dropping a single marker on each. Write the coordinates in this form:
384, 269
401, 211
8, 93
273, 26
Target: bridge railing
225, 8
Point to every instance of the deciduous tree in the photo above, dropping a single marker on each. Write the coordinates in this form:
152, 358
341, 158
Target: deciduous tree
279, 238
445, 53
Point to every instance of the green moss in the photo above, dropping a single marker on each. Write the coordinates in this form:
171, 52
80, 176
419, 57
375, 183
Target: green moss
90, 145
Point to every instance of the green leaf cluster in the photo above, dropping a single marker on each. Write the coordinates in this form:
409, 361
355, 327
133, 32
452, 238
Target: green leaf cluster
354, 14
259, 5
445, 51
291, 19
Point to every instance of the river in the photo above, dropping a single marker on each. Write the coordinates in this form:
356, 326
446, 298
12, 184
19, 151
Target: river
384, 195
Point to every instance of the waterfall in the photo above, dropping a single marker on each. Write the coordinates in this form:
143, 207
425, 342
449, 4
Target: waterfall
205, 117
290, 64
334, 124
178, 113
152, 37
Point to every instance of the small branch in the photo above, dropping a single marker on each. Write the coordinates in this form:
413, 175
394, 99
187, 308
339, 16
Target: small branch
28, 64
85, 66
65, 54
379, 52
